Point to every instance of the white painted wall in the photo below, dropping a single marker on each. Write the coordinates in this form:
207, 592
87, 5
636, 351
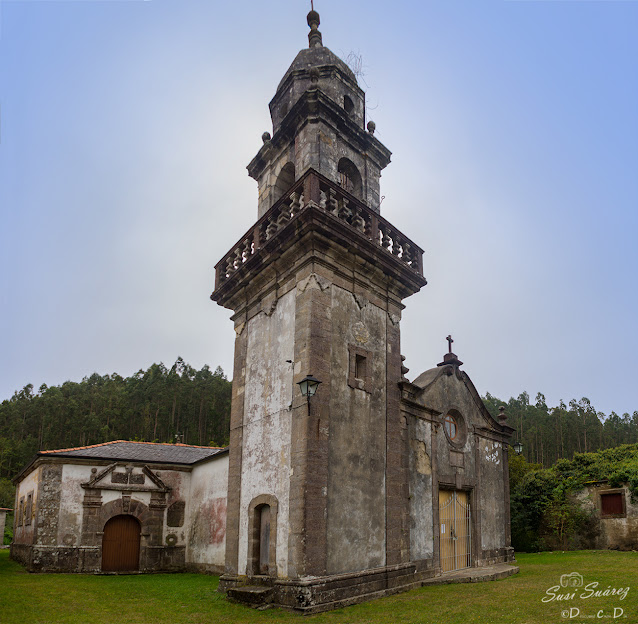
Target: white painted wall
29, 485
267, 421
71, 503
180, 483
205, 519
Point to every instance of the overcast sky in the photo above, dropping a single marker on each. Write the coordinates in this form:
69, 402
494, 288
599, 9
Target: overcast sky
126, 128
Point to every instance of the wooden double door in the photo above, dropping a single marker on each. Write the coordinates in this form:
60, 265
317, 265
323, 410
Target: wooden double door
121, 544
455, 536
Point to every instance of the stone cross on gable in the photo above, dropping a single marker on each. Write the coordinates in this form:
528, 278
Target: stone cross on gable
450, 341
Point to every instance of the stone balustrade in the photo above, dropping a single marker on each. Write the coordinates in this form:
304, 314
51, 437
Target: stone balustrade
314, 189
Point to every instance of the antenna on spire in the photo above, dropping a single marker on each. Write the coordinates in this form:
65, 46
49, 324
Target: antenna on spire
312, 5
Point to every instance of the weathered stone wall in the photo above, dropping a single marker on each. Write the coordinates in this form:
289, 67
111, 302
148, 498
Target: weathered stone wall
490, 496
24, 528
619, 533
421, 499
206, 516
356, 479
175, 519
71, 503
48, 506
268, 393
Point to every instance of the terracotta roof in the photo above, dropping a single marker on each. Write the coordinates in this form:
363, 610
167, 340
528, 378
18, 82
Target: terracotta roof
139, 451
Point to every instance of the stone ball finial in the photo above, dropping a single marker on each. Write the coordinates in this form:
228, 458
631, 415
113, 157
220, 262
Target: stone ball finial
502, 416
314, 75
371, 127
314, 36
313, 18
265, 137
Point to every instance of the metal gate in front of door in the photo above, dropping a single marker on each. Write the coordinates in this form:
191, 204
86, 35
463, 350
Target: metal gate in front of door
455, 537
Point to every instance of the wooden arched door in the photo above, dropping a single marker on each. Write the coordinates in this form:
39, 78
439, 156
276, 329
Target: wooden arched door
121, 544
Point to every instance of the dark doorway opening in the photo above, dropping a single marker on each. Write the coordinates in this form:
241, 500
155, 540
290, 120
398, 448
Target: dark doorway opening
264, 538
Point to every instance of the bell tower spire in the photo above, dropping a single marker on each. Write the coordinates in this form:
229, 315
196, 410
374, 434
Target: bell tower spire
319, 122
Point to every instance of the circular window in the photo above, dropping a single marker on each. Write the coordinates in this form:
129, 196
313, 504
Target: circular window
451, 427
455, 428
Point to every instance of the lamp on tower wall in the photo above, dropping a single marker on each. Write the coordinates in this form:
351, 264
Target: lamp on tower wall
308, 386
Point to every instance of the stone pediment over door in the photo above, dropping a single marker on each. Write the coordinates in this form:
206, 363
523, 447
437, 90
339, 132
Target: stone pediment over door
125, 477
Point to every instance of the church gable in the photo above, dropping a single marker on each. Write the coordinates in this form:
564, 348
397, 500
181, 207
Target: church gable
458, 469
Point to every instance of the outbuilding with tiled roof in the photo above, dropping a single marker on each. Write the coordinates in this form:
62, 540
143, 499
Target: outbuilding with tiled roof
122, 506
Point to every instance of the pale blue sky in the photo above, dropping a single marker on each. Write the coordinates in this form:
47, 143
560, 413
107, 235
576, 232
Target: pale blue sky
126, 127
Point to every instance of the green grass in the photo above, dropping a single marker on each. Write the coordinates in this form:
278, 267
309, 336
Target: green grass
192, 598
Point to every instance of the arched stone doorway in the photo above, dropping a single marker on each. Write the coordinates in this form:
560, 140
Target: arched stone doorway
121, 544
262, 533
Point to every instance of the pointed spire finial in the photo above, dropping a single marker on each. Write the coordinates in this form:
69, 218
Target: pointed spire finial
314, 36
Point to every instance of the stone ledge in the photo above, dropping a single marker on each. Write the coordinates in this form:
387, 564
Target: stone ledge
474, 575
318, 594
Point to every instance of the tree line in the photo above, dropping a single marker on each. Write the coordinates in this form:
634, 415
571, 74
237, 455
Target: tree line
549, 434
154, 405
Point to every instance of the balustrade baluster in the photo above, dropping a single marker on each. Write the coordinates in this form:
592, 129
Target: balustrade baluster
407, 253
344, 212
323, 200
295, 204
248, 249
272, 227
357, 220
396, 244
230, 266
284, 216
333, 204
385, 238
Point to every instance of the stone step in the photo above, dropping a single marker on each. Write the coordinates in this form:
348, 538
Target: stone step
252, 595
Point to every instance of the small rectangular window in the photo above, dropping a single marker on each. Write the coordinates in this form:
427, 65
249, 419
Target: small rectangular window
29, 510
360, 366
612, 504
21, 512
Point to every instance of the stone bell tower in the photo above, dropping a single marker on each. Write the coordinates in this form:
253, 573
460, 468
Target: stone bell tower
318, 505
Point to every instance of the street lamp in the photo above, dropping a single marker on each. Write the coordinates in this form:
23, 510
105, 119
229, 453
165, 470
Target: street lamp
518, 447
308, 386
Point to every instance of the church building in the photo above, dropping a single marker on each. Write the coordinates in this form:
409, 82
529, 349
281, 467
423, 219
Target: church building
374, 483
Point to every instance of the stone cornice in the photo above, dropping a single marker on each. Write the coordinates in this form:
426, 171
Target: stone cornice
311, 107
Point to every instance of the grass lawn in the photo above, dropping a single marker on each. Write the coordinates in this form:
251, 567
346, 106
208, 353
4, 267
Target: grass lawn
192, 598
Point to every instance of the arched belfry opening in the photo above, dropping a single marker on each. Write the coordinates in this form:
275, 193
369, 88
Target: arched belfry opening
348, 105
285, 180
349, 177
